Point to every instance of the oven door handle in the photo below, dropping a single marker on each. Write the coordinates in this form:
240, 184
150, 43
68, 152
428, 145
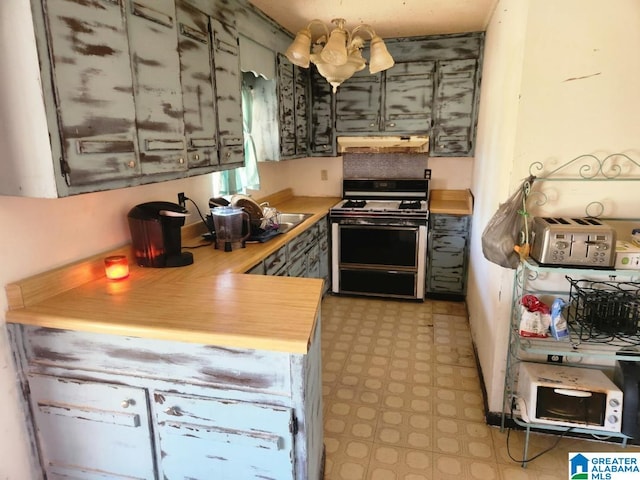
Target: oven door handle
572, 393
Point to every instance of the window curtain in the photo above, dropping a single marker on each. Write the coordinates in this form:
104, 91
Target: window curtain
240, 179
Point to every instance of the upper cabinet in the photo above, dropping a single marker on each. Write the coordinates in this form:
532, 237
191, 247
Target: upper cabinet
432, 89
134, 92
293, 119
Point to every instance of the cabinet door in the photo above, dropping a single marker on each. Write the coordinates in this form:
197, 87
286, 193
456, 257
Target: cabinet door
286, 107
454, 122
198, 96
93, 87
321, 141
205, 438
448, 250
409, 97
91, 430
228, 81
153, 42
301, 77
358, 103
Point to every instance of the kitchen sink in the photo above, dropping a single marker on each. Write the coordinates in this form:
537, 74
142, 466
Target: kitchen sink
288, 221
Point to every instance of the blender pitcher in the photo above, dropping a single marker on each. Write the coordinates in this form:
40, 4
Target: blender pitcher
228, 223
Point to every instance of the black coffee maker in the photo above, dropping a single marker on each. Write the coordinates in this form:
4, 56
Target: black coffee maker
155, 234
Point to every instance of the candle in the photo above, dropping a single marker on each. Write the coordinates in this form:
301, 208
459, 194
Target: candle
116, 267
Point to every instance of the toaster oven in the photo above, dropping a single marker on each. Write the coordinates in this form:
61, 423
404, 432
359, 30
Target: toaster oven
573, 242
569, 396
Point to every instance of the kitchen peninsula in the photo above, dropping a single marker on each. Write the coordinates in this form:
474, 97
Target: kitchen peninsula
171, 373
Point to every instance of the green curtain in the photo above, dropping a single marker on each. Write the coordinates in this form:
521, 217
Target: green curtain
239, 179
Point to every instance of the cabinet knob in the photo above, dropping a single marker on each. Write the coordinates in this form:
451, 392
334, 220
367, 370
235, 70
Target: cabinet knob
173, 411
132, 164
127, 403
228, 155
391, 124
196, 157
372, 124
181, 161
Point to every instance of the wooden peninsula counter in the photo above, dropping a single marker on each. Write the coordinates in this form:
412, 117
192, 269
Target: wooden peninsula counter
191, 372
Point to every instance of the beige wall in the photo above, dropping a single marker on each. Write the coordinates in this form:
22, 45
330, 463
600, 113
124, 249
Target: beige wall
559, 80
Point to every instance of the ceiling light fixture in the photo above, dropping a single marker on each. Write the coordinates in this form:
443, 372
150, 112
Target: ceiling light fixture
338, 55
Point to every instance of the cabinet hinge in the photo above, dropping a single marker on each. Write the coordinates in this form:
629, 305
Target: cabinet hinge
65, 170
293, 425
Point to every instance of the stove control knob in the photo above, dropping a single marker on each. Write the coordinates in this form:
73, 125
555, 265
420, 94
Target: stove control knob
612, 419
614, 402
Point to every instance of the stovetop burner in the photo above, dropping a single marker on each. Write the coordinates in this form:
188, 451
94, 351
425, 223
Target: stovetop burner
410, 204
354, 204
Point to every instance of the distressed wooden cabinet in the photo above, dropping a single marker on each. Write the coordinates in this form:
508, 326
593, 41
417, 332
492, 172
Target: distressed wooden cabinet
307, 255
109, 406
321, 131
433, 89
292, 92
134, 92
398, 100
448, 251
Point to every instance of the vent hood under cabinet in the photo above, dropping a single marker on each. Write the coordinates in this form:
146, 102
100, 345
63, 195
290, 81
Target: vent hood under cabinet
386, 144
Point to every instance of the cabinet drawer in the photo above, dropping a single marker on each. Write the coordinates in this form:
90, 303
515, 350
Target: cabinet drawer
450, 222
200, 435
275, 261
451, 284
299, 244
298, 266
258, 371
90, 426
257, 269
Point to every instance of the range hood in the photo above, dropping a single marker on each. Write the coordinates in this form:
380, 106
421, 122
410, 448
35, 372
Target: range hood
386, 144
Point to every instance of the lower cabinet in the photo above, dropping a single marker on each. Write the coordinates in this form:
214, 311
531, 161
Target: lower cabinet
306, 255
90, 430
111, 407
204, 438
448, 251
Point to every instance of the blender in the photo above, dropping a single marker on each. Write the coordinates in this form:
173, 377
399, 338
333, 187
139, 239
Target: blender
232, 227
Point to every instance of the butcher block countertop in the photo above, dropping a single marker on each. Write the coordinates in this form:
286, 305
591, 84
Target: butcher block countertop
210, 302
452, 202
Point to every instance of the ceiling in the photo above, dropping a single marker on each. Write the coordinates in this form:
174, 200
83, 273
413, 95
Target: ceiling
389, 18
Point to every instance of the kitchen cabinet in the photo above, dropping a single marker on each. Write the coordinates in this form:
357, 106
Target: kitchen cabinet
91, 430
292, 94
306, 255
432, 89
321, 141
447, 254
397, 100
454, 111
198, 93
134, 92
201, 435
131, 407
228, 80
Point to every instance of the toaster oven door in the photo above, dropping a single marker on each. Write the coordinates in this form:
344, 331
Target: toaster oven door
571, 407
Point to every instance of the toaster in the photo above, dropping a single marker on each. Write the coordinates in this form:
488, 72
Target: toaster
573, 242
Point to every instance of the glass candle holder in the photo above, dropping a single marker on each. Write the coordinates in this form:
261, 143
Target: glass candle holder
116, 267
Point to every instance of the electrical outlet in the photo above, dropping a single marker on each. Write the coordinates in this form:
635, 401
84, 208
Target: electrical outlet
427, 174
554, 358
324, 175
182, 199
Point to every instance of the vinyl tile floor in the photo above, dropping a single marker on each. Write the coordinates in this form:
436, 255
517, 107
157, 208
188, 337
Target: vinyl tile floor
403, 401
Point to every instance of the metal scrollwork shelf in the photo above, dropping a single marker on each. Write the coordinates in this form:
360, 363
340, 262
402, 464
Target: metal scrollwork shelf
532, 278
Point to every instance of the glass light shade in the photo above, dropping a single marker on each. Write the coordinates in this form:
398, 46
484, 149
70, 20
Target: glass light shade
298, 51
336, 74
335, 51
380, 58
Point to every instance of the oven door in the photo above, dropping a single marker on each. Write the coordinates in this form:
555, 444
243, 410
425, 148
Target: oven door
381, 260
